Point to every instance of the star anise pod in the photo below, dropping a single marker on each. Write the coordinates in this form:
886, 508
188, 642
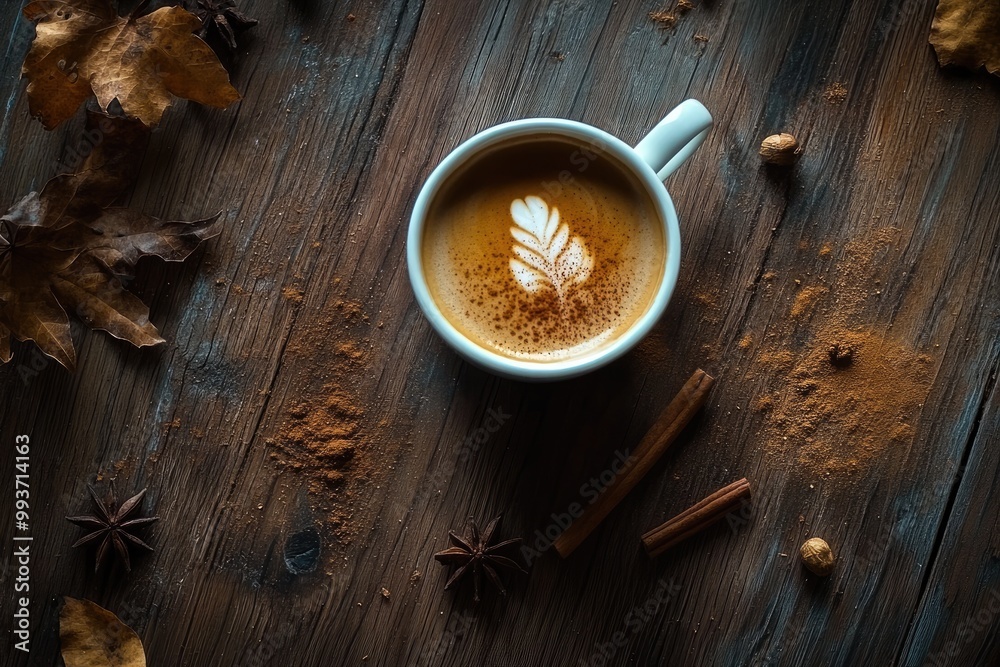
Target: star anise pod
113, 527
474, 552
222, 19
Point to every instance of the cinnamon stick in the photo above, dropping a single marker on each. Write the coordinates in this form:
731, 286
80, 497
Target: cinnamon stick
657, 440
695, 519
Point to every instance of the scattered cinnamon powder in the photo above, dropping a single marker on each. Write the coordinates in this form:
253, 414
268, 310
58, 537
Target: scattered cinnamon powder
707, 298
663, 19
835, 93
667, 19
781, 361
764, 403
806, 300
350, 351
350, 310
849, 392
319, 436
293, 294
326, 437
653, 351
746, 342
837, 415
855, 282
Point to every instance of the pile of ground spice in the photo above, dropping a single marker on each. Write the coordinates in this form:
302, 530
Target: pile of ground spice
835, 93
666, 19
852, 394
842, 390
320, 437
325, 436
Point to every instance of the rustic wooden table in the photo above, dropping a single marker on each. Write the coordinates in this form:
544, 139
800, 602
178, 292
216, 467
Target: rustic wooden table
347, 107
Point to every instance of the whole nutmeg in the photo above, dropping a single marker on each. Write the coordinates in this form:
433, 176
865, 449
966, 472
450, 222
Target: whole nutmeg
841, 355
780, 149
817, 556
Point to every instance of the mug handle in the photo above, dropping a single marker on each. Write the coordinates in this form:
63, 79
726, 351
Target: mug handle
675, 138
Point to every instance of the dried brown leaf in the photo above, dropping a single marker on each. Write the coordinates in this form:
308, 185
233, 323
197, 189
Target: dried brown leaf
91, 290
83, 47
967, 33
106, 172
121, 237
64, 250
91, 636
31, 311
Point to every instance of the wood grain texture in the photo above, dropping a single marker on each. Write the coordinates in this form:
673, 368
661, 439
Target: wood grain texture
316, 170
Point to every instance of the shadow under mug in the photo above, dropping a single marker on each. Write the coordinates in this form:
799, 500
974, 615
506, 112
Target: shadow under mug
654, 158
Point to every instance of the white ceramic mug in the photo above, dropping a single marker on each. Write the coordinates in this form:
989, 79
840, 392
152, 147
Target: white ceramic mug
660, 152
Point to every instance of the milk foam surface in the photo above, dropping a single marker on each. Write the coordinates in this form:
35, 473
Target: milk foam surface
543, 250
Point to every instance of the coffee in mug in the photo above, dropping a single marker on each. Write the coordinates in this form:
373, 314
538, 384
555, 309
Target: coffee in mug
543, 248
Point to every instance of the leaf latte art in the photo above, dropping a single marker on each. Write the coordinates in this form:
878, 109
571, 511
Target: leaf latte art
545, 255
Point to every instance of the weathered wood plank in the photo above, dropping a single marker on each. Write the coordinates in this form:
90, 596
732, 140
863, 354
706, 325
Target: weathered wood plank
960, 607
316, 170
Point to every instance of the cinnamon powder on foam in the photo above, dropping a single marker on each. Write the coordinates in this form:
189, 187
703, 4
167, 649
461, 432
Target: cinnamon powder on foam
853, 392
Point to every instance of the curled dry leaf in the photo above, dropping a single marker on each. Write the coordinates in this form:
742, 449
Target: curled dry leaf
64, 250
83, 47
967, 33
91, 636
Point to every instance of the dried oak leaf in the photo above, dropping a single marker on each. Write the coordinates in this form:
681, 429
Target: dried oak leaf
64, 250
83, 47
967, 33
91, 636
